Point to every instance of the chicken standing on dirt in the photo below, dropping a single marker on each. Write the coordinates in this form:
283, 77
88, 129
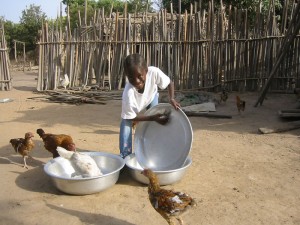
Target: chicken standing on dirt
23, 146
240, 104
65, 81
169, 204
83, 164
51, 141
224, 96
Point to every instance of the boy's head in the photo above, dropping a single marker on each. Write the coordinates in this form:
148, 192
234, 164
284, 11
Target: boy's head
135, 68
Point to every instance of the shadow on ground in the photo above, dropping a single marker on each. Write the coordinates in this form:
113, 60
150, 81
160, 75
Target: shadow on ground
90, 218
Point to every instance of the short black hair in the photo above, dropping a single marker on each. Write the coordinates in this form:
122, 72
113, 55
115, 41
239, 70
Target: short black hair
134, 61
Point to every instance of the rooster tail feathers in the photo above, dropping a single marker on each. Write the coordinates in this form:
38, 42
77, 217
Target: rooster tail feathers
66, 77
64, 152
14, 143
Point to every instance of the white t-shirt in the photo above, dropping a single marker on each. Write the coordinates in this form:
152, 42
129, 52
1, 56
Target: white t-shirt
134, 102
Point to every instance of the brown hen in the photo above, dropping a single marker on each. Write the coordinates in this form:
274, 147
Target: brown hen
23, 146
240, 104
51, 141
169, 204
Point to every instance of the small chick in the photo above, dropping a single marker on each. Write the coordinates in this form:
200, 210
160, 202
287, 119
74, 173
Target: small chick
65, 81
169, 204
83, 164
224, 96
240, 104
23, 146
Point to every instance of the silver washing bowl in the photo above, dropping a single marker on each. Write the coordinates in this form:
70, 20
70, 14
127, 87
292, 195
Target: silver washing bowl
60, 170
163, 147
165, 177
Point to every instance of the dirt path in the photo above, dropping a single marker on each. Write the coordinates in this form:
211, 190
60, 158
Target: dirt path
237, 176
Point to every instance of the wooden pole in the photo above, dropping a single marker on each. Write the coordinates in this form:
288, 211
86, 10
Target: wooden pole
85, 13
15, 45
24, 56
290, 36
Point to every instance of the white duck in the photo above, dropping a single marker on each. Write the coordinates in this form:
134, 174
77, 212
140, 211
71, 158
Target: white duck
83, 164
65, 81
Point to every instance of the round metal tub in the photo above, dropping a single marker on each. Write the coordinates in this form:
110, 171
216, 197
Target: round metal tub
163, 147
165, 177
60, 170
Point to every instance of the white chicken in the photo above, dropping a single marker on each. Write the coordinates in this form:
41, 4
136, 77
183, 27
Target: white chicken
83, 164
65, 81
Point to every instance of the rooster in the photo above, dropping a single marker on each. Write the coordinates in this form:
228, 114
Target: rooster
167, 203
240, 104
83, 164
65, 81
23, 146
51, 141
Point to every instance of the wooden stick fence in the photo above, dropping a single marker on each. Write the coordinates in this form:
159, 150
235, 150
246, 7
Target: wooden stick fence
5, 79
292, 31
205, 49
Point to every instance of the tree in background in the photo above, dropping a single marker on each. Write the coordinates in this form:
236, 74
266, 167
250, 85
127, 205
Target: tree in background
140, 6
31, 22
77, 7
118, 5
250, 5
27, 30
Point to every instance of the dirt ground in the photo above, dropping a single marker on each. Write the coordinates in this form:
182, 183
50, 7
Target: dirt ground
237, 176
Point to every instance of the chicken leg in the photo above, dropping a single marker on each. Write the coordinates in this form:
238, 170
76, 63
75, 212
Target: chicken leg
25, 164
166, 217
180, 220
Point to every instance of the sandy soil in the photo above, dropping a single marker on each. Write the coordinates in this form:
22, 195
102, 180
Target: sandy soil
237, 176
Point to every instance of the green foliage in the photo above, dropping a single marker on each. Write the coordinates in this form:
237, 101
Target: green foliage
253, 5
13, 31
57, 23
73, 2
185, 5
77, 7
31, 22
77, 11
27, 30
250, 5
139, 6
8, 29
118, 6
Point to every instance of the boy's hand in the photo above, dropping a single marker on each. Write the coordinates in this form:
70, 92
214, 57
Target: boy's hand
175, 104
162, 118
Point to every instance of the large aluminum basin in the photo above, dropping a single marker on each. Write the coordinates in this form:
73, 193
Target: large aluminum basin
165, 177
60, 170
